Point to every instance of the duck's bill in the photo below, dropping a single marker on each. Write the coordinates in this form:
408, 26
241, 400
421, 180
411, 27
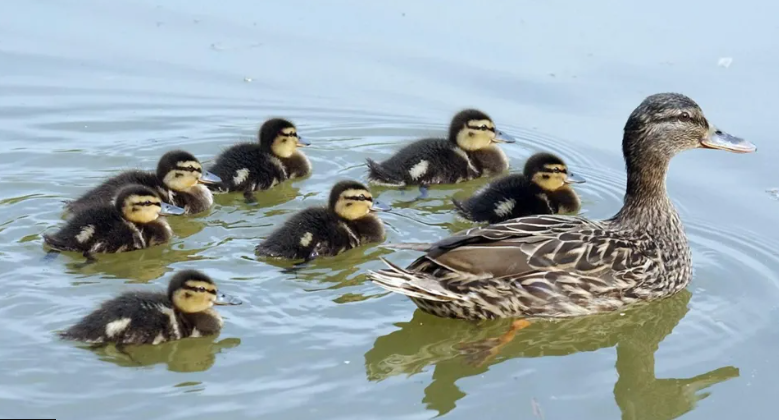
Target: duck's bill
379, 206
303, 142
225, 299
501, 137
574, 179
209, 178
170, 209
721, 140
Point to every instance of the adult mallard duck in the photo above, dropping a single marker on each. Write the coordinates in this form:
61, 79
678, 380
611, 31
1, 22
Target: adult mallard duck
564, 266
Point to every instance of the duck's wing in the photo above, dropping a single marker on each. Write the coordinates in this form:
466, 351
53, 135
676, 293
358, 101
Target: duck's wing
545, 255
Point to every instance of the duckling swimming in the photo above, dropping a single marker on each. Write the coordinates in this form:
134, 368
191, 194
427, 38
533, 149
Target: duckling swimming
177, 180
542, 188
132, 222
186, 310
347, 222
468, 152
566, 266
250, 167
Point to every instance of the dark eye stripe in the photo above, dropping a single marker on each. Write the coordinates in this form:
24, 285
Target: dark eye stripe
197, 289
189, 169
359, 198
481, 128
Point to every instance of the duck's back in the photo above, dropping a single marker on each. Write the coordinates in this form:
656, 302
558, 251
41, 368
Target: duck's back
503, 199
96, 229
131, 318
426, 161
313, 229
105, 192
246, 166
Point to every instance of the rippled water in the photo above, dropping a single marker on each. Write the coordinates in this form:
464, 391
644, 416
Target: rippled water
89, 88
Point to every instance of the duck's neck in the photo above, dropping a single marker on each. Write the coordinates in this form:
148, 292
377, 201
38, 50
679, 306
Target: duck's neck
647, 206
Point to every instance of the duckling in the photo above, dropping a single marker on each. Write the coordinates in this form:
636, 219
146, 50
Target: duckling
132, 222
186, 310
468, 152
542, 188
177, 179
250, 167
347, 222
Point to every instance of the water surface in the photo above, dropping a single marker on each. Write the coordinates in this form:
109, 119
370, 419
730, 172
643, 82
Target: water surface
89, 88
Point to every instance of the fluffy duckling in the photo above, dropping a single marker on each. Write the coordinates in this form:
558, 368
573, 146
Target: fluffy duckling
249, 167
178, 180
543, 188
186, 310
132, 222
468, 152
347, 222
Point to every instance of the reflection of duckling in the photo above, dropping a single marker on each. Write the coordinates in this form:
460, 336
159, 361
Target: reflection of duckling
250, 167
153, 317
345, 223
177, 180
543, 188
469, 152
131, 223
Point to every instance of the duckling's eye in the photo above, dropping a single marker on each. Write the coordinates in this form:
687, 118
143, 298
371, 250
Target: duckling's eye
201, 289
483, 127
685, 116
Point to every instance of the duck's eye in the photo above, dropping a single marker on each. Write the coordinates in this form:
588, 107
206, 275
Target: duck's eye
685, 116
201, 289
483, 127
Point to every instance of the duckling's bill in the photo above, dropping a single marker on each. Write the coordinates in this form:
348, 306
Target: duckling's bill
170, 209
379, 206
303, 142
209, 178
572, 178
225, 299
501, 137
718, 139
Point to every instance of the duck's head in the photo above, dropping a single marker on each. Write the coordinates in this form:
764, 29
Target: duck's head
192, 291
549, 172
280, 137
473, 130
665, 124
140, 204
180, 171
352, 200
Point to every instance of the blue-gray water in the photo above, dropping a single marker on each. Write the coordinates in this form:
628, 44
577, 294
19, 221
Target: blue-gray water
88, 88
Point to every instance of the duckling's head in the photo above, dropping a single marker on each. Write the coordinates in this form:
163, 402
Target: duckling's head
140, 204
180, 171
549, 172
665, 124
352, 200
192, 291
473, 130
280, 137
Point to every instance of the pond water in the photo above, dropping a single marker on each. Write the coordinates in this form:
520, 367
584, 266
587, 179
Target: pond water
88, 88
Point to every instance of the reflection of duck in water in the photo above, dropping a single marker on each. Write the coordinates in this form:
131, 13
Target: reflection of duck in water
427, 340
564, 266
194, 355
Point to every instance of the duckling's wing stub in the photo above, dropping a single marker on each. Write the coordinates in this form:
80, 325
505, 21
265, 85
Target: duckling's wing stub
379, 173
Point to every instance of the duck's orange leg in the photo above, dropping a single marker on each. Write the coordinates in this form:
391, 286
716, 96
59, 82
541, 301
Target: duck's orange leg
481, 352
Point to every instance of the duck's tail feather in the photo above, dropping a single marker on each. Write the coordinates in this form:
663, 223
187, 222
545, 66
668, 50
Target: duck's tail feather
378, 173
415, 285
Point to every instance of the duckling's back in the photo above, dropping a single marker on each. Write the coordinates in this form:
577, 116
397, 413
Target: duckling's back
106, 192
503, 199
246, 166
310, 232
95, 229
131, 318
427, 161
